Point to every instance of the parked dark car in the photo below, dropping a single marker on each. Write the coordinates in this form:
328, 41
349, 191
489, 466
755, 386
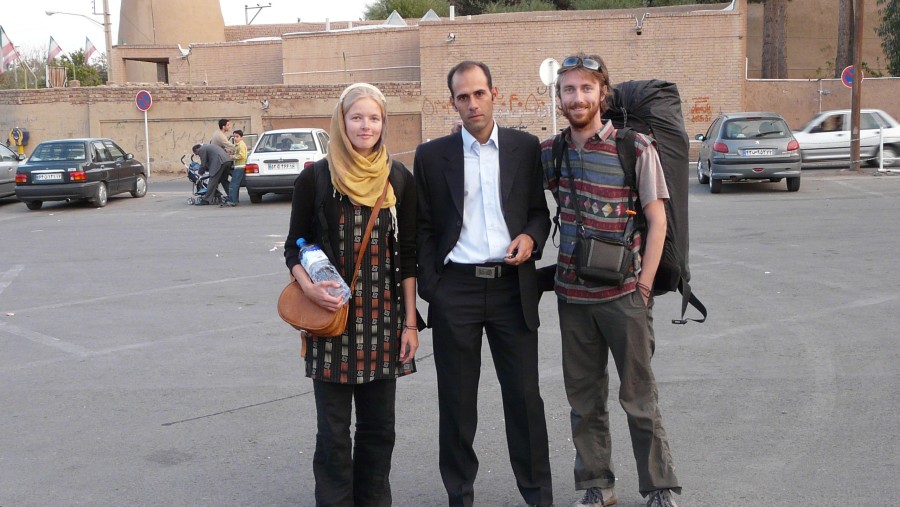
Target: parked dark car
9, 161
72, 169
748, 146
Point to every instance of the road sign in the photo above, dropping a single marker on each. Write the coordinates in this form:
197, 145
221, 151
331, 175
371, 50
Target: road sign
847, 76
548, 77
548, 71
143, 101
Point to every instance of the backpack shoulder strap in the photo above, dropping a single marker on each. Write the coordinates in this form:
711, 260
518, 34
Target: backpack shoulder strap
625, 139
558, 150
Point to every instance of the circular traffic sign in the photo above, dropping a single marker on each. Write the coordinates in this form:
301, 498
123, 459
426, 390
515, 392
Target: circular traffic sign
848, 74
142, 100
548, 71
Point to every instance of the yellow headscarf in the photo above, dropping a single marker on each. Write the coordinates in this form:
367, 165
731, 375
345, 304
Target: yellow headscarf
360, 178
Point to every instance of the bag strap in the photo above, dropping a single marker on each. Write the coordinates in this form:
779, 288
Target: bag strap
688, 297
369, 226
625, 139
559, 147
365, 239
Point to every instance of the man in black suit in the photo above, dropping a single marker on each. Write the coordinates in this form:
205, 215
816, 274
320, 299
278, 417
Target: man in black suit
482, 222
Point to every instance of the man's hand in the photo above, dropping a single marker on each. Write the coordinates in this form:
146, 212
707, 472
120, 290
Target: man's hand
519, 250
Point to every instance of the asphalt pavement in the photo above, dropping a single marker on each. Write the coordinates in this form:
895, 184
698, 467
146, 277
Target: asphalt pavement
143, 363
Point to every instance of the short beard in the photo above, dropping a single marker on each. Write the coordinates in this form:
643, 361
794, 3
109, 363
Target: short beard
580, 124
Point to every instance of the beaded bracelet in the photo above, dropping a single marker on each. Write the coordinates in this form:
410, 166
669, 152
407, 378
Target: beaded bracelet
644, 288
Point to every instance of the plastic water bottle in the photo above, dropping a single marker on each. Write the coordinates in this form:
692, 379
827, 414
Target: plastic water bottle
319, 269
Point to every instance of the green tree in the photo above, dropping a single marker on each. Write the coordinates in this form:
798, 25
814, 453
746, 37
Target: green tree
408, 9
520, 6
774, 47
87, 75
27, 72
889, 31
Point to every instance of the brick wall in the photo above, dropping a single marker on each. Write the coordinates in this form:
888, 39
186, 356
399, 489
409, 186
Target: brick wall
248, 63
244, 32
181, 116
672, 46
811, 36
798, 100
382, 54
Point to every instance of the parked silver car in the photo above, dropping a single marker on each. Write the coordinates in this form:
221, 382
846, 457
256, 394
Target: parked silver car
9, 161
279, 156
748, 146
825, 140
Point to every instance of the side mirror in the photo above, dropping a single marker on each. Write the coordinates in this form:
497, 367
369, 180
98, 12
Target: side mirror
700, 137
129, 156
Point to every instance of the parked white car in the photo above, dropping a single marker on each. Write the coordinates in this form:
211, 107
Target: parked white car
825, 140
9, 162
279, 156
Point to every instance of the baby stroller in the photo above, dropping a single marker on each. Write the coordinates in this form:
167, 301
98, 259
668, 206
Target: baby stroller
200, 180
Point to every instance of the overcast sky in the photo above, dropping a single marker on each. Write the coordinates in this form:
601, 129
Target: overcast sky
28, 27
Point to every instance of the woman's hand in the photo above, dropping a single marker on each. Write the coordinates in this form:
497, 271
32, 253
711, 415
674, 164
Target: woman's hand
409, 343
318, 293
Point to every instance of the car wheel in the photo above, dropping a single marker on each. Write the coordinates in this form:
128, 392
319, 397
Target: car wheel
715, 186
703, 179
140, 186
101, 197
890, 157
34, 205
255, 198
793, 184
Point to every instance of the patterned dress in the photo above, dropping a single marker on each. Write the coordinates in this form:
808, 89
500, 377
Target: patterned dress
369, 349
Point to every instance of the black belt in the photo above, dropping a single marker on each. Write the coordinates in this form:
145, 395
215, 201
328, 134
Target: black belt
488, 270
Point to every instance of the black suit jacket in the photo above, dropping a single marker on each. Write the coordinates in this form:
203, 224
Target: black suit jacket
439, 170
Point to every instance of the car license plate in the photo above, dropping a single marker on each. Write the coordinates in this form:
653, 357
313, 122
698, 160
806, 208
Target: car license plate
283, 166
48, 177
755, 152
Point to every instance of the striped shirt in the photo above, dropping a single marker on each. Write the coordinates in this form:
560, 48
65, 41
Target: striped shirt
603, 198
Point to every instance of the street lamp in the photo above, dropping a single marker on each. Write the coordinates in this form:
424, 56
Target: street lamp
107, 31
92, 20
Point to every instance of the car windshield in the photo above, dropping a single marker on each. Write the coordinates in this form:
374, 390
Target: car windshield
754, 128
286, 141
59, 152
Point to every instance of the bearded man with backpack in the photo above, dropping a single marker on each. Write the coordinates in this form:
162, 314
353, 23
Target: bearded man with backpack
606, 305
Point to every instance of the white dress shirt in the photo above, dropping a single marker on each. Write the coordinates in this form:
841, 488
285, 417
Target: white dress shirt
484, 236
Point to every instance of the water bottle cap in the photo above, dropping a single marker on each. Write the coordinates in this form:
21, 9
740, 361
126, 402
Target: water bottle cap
301, 242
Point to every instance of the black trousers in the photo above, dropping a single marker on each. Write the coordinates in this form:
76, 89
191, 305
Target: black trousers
357, 478
462, 309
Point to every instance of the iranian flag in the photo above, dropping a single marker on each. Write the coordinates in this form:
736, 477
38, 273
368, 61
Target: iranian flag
89, 49
8, 53
54, 51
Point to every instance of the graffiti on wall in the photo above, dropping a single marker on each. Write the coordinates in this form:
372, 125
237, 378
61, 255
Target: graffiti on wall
517, 109
701, 110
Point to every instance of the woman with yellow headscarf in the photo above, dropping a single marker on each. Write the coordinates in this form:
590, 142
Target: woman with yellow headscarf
332, 203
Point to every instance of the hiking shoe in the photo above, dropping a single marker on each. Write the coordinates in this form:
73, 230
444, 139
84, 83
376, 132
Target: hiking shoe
596, 497
661, 498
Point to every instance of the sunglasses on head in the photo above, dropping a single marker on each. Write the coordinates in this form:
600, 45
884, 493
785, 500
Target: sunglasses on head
572, 62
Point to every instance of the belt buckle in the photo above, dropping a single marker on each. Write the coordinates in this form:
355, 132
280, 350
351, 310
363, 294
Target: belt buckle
487, 272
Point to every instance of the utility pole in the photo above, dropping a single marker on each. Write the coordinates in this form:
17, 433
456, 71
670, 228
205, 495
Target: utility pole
856, 94
107, 31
